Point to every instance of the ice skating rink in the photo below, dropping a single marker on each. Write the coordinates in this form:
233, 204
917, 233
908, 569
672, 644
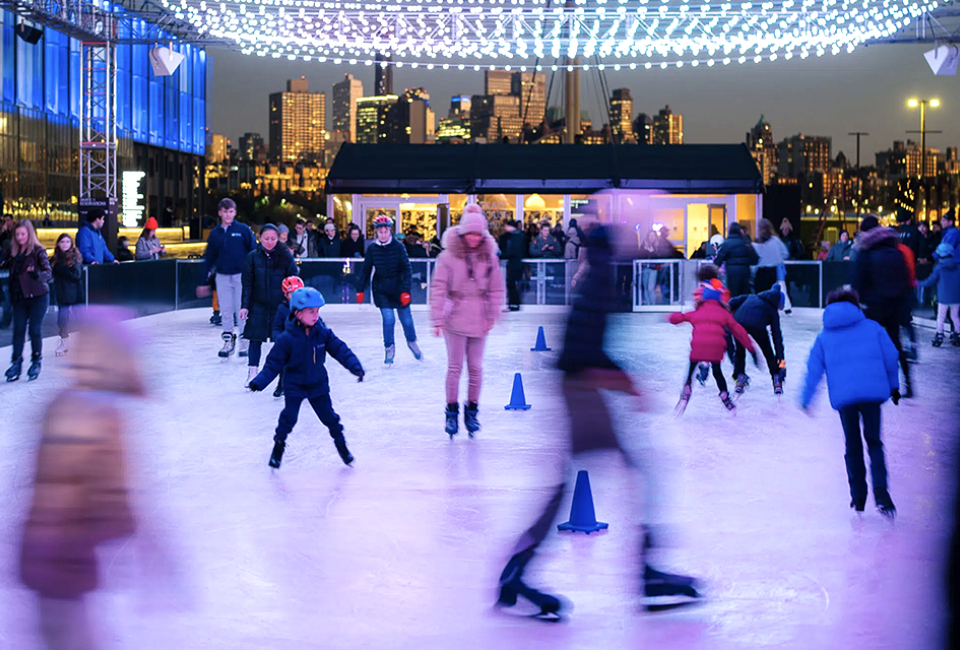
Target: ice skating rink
403, 550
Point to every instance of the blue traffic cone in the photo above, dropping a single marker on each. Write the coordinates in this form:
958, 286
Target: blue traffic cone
582, 517
541, 345
518, 402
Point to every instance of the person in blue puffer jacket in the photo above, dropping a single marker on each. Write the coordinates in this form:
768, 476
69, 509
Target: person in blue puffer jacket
946, 275
860, 361
301, 352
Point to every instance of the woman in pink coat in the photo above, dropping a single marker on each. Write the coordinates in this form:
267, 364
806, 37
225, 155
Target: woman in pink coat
466, 297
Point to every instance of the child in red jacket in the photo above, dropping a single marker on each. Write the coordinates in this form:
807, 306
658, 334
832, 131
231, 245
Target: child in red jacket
711, 319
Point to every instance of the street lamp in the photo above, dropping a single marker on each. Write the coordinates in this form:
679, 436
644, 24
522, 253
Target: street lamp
923, 103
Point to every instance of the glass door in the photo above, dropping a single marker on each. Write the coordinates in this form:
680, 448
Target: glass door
372, 208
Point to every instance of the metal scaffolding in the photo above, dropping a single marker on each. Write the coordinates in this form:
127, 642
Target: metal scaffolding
98, 122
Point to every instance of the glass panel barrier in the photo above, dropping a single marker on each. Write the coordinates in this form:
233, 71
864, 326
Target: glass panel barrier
660, 283
804, 283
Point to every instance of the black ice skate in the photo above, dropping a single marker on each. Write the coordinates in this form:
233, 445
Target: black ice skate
470, 420
663, 591
858, 504
955, 339
885, 504
345, 454
512, 586
13, 372
684, 399
742, 382
278, 391
34, 371
938, 339
391, 352
452, 414
216, 320
417, 354
277, 454
229, 343
725, 398
777, 385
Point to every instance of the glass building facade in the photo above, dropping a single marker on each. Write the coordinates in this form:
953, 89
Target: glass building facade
40, 116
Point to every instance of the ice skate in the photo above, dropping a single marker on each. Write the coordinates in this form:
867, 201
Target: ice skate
229, 343
663, 591
244, 347
742, 382
684, 398
251, 373
512, 586
61, 348
345, 454
417, 354
391, 352
955, 339
777, 385
937, 339
859, 504
13, 372
216, 319
725, 398
452, 425
34, 370
885, 504
470, 418
278, 391
277, 455
703, 371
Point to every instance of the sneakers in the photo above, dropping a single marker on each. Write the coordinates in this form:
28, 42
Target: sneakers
417, 354
470, 418
391, 352
61, 348
725, 398
244, 347
34, 371
345, 454
277, 455
216, 320
742, 382
938, 339
452, 425
251, 373
229, 343
13, 372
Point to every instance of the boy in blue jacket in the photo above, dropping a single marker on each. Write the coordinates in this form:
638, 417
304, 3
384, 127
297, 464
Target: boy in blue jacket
301, 352
860, 362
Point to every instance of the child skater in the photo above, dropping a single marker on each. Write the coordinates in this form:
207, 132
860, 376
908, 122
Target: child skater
860, 361
290, 284
946, 275
710, 320
756, 312
302, 350
67, 272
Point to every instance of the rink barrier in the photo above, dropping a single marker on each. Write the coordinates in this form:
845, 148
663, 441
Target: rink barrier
658, 285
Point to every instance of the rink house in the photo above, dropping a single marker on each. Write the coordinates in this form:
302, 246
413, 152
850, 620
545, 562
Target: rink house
687, 188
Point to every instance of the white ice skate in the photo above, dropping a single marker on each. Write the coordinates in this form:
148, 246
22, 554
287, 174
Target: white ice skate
251, 373
684, 399
62, 348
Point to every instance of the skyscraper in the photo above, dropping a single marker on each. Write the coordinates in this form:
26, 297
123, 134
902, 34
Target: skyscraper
803, 154
531, 88
298, 119
372, 118
762, 148
497, 82
667, 127
410, 120
383, 76
345, 96
251, 144
621, 116
495, 117
643, 129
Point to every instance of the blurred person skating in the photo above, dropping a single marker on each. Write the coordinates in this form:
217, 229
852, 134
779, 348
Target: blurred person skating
587, 371
301, 352
227, 248
90, 241
710, 319
757, 312
28, 284
67, 273
946, 277
771, 254
387, 261
80, 492
512, 249
263, 274
860, 362
882, 281
736, 256
290, 284
465, 302
909, 303
148, 244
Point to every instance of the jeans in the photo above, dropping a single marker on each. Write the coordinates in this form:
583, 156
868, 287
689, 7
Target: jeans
648, 285
7, 315
322, 406
64, 316
514, 276
229, 291
856, 473
942, 316
459, 346
32, 310
888, 315
763, 342
717, 374
390, 322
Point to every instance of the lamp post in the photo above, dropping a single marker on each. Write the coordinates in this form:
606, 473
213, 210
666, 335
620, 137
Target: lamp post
923, 103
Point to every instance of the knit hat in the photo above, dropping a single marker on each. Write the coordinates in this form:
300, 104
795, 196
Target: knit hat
151, 224
282, 228
712, 290
473, 220
267, 226
869, 223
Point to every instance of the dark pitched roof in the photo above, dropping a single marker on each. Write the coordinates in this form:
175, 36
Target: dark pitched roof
557, 169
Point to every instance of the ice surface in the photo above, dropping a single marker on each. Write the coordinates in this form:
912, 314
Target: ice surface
403, 550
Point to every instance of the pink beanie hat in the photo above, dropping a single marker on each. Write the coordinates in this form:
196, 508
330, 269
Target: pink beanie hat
473, 220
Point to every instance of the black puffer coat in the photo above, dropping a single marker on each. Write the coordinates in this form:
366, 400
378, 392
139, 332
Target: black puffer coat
759, 311
392, 275
882, 278
263, 274
738, 256
67, 283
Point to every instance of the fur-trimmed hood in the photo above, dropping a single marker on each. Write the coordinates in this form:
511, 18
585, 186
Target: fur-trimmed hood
453, 242
876, 237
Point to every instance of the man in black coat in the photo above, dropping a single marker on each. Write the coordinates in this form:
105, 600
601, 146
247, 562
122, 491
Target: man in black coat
737, 256
512, 247
757, 312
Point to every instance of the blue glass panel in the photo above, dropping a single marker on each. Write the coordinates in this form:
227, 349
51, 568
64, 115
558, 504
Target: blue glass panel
9, 60
186, 123
140, 110
75, 97
199, 125
63, 90
155, 113
170, 111
51, 41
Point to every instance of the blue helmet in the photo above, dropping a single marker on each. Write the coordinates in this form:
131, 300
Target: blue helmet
944, 250
305, 298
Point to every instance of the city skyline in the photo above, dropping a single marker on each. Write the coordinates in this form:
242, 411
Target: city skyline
718, 104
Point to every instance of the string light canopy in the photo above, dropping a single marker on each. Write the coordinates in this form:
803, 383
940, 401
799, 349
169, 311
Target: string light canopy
510, 34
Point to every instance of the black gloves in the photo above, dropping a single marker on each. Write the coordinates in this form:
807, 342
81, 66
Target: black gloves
895, 396
254, 387
359, 375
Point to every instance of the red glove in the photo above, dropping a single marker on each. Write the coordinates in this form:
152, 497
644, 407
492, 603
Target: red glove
404, 298
359, 297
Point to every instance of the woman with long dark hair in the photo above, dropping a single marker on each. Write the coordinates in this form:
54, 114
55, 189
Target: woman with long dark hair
29, 275
67, 272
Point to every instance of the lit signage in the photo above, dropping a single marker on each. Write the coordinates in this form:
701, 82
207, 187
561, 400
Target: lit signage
131, 202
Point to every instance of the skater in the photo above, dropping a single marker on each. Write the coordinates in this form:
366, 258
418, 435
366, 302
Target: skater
771, 254
512, 248
302, 351
710, 320
388, 262
587, 370
736, 256
883, 283
80, 493
67, 274
29, 289
946, 275
756, 313
263, 274
290, 284
465, 302
860, 362
227, 248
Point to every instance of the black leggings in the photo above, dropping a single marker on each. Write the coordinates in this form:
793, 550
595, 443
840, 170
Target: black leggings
717, 374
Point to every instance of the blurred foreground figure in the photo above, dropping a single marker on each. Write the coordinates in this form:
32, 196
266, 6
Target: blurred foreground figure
587, 370
80, 497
